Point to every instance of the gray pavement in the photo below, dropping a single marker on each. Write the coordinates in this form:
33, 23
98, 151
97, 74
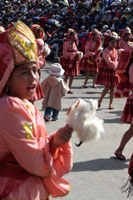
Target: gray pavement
96, 174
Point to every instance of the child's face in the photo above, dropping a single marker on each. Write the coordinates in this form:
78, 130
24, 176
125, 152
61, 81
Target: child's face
23, 81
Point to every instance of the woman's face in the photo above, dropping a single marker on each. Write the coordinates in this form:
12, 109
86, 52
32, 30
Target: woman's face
23, 81
95, 37
112, 44
127, 37
73, 36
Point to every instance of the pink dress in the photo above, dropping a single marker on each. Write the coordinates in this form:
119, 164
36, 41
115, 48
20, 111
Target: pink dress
123, 86
69, 59
25, 158
106, 75
89, 62
127, 114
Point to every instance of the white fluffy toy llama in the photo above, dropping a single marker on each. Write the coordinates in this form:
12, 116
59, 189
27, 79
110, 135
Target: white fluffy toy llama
82, 118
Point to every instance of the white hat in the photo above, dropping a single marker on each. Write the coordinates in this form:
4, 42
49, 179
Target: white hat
105, 26
56, 70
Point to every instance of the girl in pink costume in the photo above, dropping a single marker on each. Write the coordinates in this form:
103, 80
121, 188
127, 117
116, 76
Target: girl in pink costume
127, 115
90, 61
39, 34
32, 162
70, 58
106, 75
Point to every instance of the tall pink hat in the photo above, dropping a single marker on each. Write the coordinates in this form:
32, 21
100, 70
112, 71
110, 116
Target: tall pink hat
17, 46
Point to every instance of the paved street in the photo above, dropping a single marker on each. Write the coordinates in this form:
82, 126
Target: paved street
96, 174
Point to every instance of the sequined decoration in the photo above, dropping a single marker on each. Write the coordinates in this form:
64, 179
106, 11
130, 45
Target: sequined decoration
29, 129
22, 39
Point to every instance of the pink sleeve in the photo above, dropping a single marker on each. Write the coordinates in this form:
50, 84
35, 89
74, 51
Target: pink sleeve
131, 73
17, 129
62, 159
109, 62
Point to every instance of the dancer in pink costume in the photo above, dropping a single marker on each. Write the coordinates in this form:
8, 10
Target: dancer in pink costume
90, 61
106, 75
32, 162
70, 58
125, 51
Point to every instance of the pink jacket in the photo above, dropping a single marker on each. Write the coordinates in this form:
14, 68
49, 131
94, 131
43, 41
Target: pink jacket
91, 48
23, 134
125, 46
69, 49
110, 58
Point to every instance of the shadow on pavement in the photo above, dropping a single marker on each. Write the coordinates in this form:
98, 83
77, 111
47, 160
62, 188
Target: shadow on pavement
100, 164
115, 120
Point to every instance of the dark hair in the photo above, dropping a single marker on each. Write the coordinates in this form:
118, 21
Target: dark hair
112, 38
72, 33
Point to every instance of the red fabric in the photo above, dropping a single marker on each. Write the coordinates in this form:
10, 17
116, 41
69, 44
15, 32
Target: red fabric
71, 67
130, 168
2, 69
106, 77
123, 61
123, 86
4, 52
83, 45
8, 188
43, 21
122, 89
9, 167
127, 114
89, 64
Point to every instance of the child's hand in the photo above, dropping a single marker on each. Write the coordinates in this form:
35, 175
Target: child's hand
62, 136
